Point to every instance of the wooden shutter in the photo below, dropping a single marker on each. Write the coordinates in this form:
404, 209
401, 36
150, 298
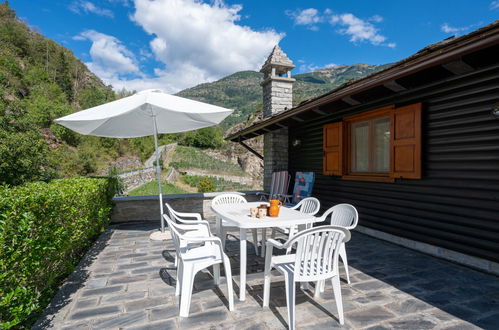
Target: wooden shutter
406, 142
333, 149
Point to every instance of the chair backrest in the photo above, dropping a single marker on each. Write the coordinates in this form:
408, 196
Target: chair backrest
170, 212
279, 184
228, 199
304, 184
317, 252
176, 236
309, 205
344, 215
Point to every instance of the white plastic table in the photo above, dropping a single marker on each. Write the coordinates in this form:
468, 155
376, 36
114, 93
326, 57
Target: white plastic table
237, 215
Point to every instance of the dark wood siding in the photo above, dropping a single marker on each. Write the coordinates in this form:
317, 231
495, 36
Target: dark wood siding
456, 203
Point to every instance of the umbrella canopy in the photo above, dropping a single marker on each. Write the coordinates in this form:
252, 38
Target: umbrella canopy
133, 116
145, 113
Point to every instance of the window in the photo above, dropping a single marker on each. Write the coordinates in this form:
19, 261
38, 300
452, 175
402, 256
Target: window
370, 146
380, 145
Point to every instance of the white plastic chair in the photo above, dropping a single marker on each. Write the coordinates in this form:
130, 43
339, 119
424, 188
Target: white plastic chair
185, 218
225, 199
195, 219
316, 259
346, 216
309, 205
193, 258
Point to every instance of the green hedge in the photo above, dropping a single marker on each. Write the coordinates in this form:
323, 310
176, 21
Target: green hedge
45, 228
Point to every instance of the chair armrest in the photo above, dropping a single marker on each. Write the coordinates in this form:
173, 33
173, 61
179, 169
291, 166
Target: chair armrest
183, 223
324, 216
195, 239
273, 243
212, 239
192, 226
196, 216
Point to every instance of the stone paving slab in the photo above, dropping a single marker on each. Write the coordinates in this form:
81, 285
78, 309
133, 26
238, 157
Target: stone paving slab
127, 281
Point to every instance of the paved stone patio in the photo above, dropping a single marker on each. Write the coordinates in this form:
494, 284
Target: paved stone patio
127, 281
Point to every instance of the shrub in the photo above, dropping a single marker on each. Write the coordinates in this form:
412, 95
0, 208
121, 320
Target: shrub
116, 183
45, 228
206, 185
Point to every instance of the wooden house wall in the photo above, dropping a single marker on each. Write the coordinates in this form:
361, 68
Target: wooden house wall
456, 204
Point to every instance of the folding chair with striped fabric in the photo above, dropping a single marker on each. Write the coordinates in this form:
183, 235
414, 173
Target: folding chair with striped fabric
278, 186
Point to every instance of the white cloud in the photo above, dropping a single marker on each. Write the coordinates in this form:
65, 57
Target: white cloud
81, 6
197, 42
308, 16
193, 42
330, 65
376, 19
125, 3
360, 30
308, 68
110, 58
450, 29
494, 4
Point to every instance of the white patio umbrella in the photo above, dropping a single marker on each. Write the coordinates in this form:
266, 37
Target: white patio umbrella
145, 113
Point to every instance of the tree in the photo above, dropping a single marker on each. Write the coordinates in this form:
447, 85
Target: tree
22, 157
208, 137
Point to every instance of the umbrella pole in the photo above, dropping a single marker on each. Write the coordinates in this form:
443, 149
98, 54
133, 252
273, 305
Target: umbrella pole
158, 172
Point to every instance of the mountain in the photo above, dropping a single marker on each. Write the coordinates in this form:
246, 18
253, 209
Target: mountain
39, 81
242, 92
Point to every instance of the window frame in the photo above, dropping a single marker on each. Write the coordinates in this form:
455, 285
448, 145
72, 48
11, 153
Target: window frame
384, 112
405, 144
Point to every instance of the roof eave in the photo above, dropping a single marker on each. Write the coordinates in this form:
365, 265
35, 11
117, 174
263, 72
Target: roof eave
427, 57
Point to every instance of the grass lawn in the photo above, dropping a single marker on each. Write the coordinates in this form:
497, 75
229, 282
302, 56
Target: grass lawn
151, 188
190, 158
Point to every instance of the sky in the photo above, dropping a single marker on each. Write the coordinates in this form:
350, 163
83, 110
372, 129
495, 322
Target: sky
176, 44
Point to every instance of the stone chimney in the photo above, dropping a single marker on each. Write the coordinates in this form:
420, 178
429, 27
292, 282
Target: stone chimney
277, 87
277, 83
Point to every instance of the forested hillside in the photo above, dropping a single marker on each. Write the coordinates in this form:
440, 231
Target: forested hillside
40, 81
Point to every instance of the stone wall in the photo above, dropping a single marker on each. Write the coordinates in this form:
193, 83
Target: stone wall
246, 180
137, 178
146, 208
275, 154
123, 164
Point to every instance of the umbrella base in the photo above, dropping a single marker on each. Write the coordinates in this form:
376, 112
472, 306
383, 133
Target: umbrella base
160, 236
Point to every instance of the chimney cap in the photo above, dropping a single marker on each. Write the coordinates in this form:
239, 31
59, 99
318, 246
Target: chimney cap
277, 59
